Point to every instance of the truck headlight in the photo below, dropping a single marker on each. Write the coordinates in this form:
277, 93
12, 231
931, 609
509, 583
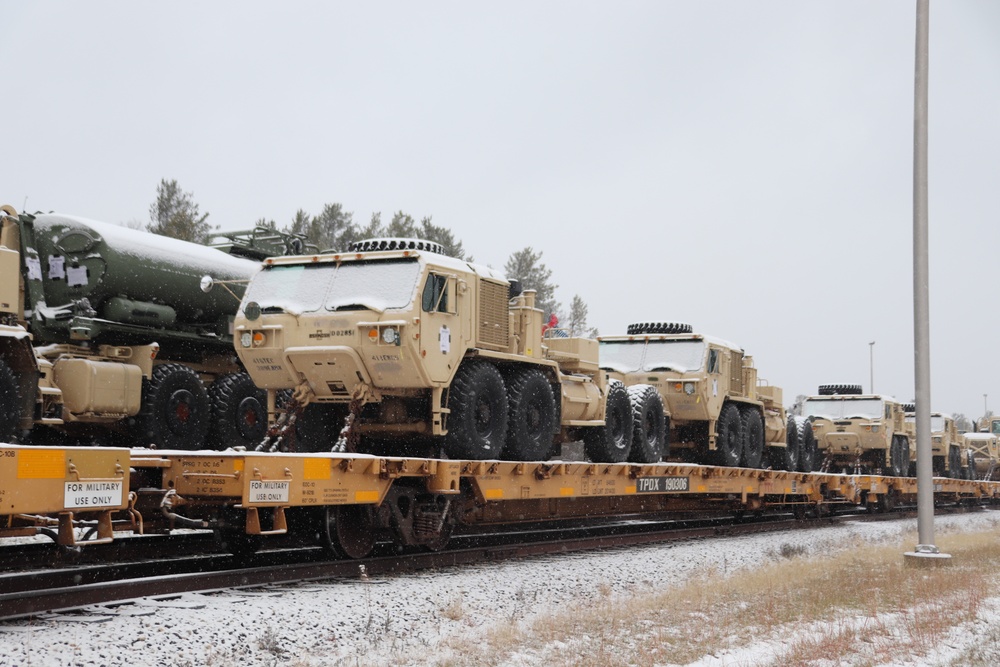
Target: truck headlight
689, 388
391, 336
245, 339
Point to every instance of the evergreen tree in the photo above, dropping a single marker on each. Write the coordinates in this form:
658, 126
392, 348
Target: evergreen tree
452, 246
576, 323
526, 265
175, 214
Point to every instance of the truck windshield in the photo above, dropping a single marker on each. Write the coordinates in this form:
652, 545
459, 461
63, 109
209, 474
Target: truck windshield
843, 408
630, 356
684, 356
349, 286
937, 424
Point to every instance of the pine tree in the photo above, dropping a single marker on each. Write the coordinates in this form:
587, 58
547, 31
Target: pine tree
175, 214
576, 323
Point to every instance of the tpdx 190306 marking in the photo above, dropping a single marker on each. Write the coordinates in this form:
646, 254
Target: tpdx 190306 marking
661, 484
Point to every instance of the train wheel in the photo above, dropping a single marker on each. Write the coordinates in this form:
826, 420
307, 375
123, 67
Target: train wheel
175, 409
649, 426
532, 415
235, 540
239, 412
612, 442
348, 531
807, 445
10, 403
477, 425
729, 437
752, 427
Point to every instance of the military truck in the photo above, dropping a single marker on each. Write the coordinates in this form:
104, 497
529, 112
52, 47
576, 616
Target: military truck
981, 456
105, 334
946, 443
990, 424
717, 410
398, 348
858, 432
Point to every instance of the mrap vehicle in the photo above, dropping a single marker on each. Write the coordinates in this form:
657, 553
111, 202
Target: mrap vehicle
407, 350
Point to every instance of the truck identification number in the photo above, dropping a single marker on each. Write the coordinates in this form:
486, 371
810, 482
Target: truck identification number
269, 492
661, 484
90, 495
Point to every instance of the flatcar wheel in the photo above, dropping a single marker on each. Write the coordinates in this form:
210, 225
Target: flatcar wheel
237, 542
348, 531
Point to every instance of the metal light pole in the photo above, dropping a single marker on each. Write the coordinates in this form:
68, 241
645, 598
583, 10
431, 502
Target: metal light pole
985, 409
925, 551
871, 366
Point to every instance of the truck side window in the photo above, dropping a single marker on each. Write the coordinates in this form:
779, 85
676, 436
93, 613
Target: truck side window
435, 297
888, 411
713, 360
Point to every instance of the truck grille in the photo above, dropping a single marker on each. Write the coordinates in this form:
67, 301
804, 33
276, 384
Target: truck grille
494, 324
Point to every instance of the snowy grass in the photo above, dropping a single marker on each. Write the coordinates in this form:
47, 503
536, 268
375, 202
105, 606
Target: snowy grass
862, 606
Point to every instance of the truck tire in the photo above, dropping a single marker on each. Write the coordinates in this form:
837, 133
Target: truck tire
658, 328
10, 404
477, 425
612, 442
790, 456
752, 427
954, 462
649, 426
531, 409
729, 437
175, 410
832, 389
807, 445
897, 465
239, 412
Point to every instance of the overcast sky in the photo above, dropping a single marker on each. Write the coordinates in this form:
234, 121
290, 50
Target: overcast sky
742, 166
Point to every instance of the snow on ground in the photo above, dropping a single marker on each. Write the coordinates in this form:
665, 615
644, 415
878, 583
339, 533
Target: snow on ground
350, 622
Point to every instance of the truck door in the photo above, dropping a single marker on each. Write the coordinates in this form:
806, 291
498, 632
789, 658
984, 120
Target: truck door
440, 338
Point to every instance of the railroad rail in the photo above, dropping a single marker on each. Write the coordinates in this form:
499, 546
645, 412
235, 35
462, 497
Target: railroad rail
100, 589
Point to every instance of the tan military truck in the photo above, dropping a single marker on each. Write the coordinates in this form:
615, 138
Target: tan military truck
717, 410
414, 351
858, 432
981, 456
990, 424
946, 443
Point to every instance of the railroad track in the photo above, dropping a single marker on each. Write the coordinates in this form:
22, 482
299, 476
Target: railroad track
76, 586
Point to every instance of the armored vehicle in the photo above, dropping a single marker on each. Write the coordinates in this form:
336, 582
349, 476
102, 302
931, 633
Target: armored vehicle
946, 443
405, 349
105, 334
990, 424
858, 432
717, 410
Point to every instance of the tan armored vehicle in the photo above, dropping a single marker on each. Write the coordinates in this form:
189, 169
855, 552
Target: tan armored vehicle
946, 443
858, 432
416, 350
717, 411
990, 424
981, 456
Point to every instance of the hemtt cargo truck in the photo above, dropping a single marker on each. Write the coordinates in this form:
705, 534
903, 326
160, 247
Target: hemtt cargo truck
105, 334
414, 351
858, 432
707, 389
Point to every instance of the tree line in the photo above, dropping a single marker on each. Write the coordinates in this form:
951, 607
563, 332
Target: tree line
175, 213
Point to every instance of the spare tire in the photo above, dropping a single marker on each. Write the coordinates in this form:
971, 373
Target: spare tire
658, 328
831, 389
